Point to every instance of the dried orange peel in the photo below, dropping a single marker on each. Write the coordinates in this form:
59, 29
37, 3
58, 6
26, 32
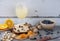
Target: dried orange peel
30, 33
22, 36
10, 23
25, 36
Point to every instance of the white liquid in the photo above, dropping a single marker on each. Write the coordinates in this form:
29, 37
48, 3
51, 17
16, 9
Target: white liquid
21, 11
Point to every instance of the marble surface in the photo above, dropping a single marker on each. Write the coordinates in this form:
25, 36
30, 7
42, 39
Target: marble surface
43, 33
33, 22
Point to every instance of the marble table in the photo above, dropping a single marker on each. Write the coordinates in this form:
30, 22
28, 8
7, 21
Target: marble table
54, 34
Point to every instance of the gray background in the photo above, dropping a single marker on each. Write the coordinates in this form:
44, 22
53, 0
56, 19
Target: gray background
43, 7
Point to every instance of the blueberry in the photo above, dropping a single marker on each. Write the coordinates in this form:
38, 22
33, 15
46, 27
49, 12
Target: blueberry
47, 33
40, 35
38, 32
51, 33
58, 32
46, 30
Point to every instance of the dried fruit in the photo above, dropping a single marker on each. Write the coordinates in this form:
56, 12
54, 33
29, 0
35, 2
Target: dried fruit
30, 33
22, 36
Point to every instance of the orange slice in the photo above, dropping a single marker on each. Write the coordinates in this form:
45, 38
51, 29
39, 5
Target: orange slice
3, 26
9, 22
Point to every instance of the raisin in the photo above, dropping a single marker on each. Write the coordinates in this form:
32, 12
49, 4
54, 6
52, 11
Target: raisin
14, 28
18, 30
19, 26
58, 32
22, 29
